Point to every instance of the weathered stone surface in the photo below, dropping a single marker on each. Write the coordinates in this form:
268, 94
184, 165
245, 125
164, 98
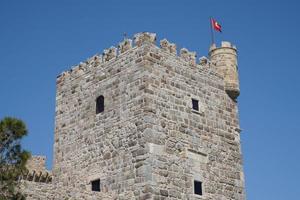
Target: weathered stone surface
125, 45
203, 61
188, 56
37, 163
170, 47
145, 37
37, 171
149, 142
224, 59
110, 53
43, 191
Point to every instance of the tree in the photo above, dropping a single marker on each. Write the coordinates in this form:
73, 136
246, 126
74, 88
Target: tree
12, 157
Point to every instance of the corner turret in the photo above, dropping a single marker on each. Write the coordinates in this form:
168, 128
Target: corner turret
224, 59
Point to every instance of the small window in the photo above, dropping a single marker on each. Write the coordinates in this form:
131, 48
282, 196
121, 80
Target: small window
100, 104
195, 104
197, 187
96, 185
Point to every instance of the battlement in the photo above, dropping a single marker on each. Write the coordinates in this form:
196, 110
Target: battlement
224, 44
127, 44
37, 171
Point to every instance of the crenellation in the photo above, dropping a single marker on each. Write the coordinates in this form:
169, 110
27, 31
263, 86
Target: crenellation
37, 171
78, 70
188, 56
95, 60
61, 77
228, 45
144, 37
82, 66
110, 53
203, 61
125, 45
169, 47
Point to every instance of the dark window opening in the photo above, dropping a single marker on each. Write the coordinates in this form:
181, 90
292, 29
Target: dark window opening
195, 104
100, 104
96, 185
198, 187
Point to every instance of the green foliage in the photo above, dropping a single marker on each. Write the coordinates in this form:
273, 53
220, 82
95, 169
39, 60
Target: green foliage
12, 157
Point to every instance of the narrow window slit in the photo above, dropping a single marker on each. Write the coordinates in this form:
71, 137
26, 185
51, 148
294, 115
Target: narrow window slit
195, 104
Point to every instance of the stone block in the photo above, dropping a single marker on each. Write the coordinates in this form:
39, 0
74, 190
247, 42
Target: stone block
144, 37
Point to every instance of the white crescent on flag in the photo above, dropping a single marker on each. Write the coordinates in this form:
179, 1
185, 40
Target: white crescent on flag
216, 25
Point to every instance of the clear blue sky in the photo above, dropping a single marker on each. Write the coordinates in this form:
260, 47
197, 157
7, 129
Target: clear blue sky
40, 39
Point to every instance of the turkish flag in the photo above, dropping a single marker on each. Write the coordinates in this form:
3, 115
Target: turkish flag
216, 25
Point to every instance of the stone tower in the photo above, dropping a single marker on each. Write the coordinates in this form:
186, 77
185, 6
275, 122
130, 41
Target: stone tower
141, 122
225, 63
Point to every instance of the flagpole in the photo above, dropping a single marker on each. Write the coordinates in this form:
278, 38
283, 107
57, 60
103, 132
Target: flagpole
211, 31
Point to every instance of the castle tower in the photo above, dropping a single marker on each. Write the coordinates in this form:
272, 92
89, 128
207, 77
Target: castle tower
225, 61
141, 122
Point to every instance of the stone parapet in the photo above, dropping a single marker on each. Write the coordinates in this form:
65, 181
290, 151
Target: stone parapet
37, 171
127, 44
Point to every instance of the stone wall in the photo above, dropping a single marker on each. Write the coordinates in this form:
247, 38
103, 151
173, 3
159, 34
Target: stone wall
190, 145
105, 145
44, 191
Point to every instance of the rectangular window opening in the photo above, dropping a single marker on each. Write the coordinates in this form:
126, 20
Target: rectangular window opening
96, 185
198, 187
100, 104
195, 104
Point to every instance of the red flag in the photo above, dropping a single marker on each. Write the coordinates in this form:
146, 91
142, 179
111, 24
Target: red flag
216, 25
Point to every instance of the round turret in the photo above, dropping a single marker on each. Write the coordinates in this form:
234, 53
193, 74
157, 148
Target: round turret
224, 59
